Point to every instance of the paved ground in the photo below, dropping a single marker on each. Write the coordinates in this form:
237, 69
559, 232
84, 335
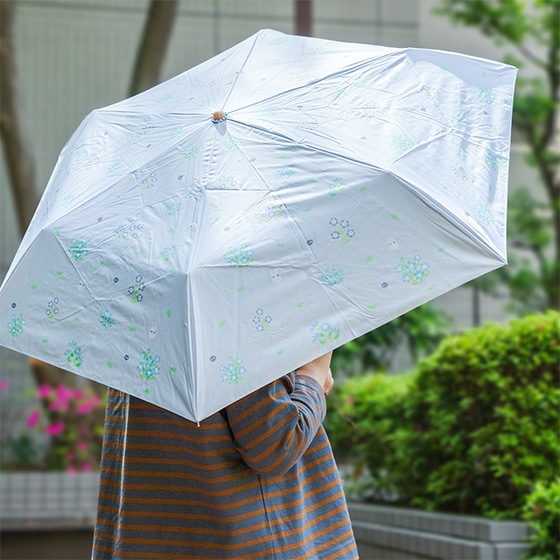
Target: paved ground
46, 545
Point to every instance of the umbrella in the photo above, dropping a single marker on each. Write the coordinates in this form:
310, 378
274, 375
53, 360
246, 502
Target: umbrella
221, 229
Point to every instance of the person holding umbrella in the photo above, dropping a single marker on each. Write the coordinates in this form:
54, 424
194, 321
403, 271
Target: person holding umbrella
270, 204
255, 480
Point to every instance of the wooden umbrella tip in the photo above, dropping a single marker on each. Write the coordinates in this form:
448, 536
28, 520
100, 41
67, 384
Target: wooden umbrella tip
218, 116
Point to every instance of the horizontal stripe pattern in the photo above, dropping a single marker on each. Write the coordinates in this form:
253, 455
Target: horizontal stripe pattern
259, 481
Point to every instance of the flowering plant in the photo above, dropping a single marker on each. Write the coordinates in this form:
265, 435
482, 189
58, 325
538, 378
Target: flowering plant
72, 421
73, 424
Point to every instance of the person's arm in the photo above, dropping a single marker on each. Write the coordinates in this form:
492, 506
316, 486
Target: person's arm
272, 428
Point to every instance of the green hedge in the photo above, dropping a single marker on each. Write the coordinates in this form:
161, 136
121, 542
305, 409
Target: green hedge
542, 511
471, 431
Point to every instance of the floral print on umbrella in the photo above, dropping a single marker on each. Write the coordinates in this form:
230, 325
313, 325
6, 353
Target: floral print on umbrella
15, 325
148, 366
240, 256
332, 276
78, 249
234, 371
324, 332
262, 321
341, 230
73, 354
413, 271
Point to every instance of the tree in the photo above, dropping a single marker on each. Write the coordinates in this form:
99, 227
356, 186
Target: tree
533, 29
18, 151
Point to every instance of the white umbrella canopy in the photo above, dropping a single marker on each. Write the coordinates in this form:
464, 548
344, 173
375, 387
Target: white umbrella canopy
223, 228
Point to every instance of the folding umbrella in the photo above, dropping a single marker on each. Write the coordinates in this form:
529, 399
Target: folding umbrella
221, 229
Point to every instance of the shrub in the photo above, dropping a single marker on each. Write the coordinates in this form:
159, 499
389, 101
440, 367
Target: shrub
366, 415
477, 427
542, 511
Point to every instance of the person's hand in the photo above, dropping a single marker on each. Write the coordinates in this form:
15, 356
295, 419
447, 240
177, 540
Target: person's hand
319, 370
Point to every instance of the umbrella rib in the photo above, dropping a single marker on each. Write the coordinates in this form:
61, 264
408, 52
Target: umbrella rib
239, 72
311, 83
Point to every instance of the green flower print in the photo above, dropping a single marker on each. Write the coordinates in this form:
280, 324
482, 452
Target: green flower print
336, 187
74, 354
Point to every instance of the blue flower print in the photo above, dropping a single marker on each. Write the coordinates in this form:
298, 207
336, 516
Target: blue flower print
78, 249
106, 318
192, 152
484, 215
15, 325
413, 271
272, 211
52, 308
234, 371
136, 290
167, 252
461, 173
262, 321
148, 365
401, 142
341, 230
336, 187
332, 276
486, 95
130, 232
228, 183
239, 257
286, 173
148, 182
431, 92
74, 354
324, 332
172, 208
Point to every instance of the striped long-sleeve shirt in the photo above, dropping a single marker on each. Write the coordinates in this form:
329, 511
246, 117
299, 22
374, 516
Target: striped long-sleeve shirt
256, 481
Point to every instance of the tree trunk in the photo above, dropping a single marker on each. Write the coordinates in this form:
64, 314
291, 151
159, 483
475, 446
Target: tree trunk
304, 17
153, 45
21, 169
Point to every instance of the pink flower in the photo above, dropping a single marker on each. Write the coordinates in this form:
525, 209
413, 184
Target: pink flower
54, 429
78, 394
83, 408
71, 469
86, 466
70, 456
33, 418
82, 445
58, 404
64, 394
44, 391
4, 385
